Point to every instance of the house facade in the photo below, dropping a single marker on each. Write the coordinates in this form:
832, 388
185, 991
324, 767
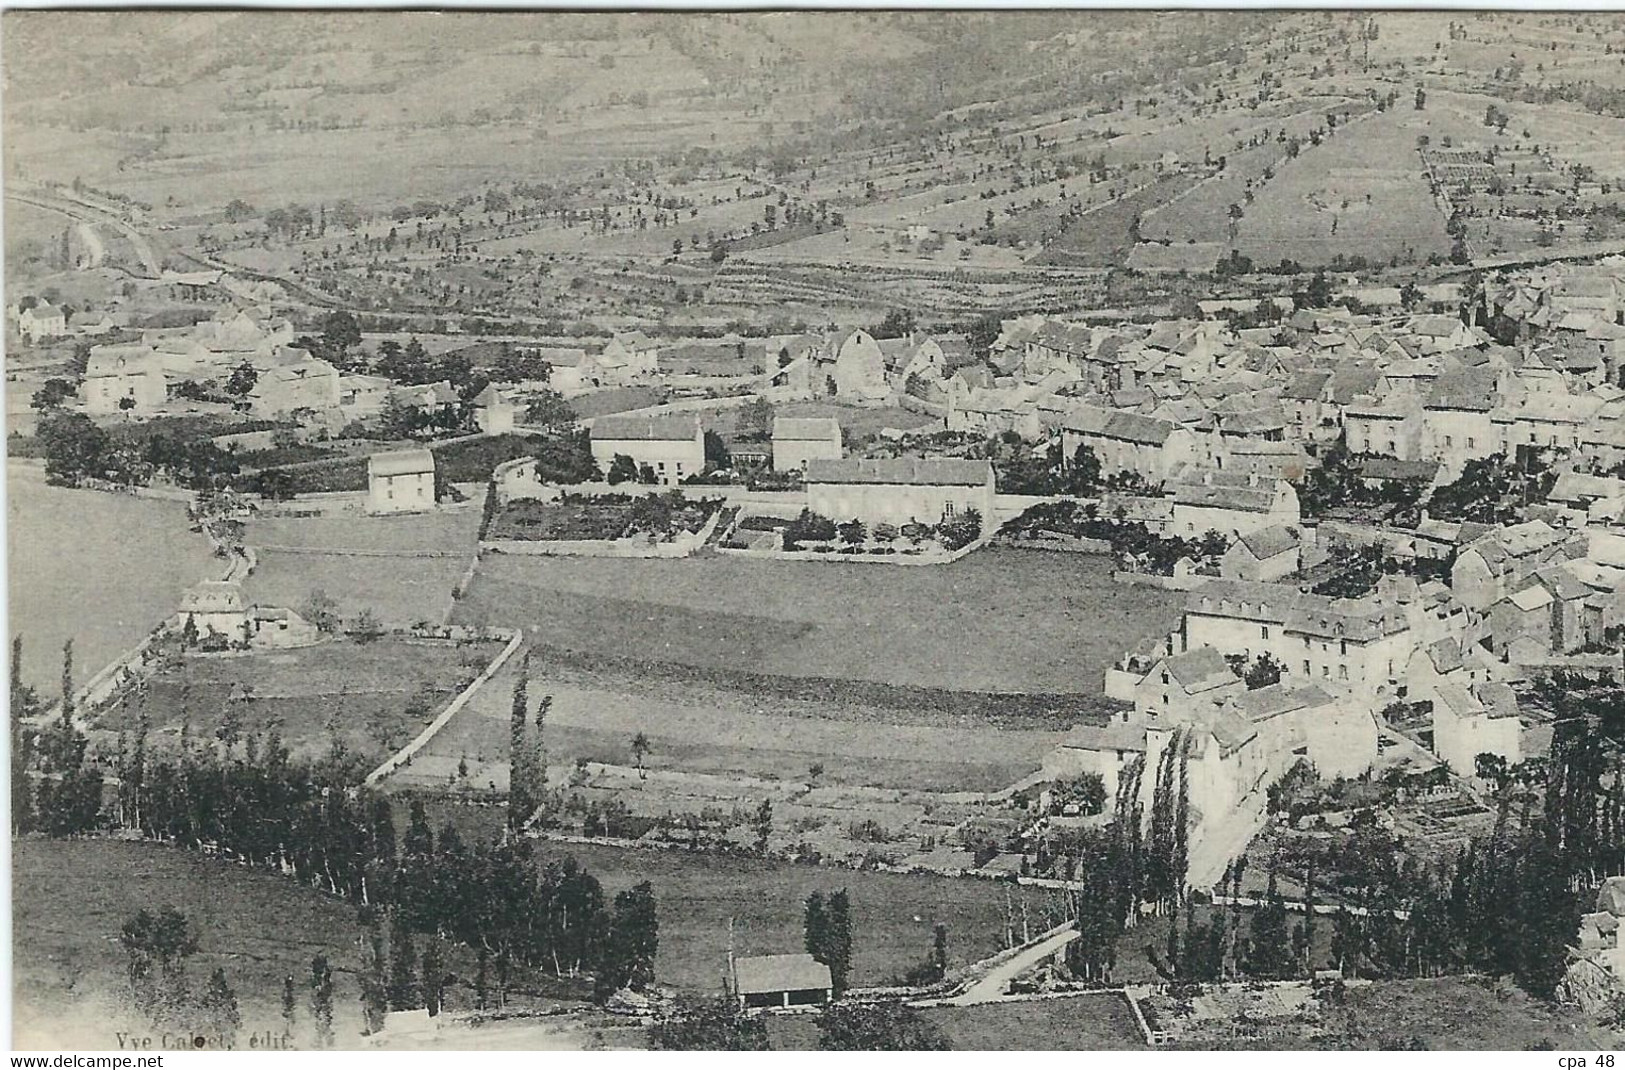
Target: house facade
673, 446
400, 482
900, 490
799, 440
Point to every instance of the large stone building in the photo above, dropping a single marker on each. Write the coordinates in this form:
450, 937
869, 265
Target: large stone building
671, 445
900, 490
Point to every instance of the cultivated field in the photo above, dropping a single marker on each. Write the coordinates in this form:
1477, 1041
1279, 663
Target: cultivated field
1368, 181
71, 897
374, 696
1000, 621
75, 572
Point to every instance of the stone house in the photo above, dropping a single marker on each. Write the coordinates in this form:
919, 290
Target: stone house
670, 444
400, 482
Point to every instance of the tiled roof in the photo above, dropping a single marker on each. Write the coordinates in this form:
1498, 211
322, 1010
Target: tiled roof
664, 428
901, 471
400, 462
806, 429
780, 973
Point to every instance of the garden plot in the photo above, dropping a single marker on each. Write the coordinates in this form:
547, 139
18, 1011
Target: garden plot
374, 697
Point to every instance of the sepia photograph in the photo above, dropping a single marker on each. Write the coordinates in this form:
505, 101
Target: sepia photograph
815, 530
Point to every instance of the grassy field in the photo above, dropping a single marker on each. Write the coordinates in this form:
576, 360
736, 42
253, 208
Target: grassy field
1000, 621
1367, 179
100, 569
696, 728
70, 898
375, 562
698, 895
444, 531
1078, 1023
378, 694
399, 590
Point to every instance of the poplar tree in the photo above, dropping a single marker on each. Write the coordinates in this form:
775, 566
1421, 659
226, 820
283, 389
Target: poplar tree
520, 803
403, 981
321, 1000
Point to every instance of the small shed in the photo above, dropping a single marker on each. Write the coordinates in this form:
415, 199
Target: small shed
781, 981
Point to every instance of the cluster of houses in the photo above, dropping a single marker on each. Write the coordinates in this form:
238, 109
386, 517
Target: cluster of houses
1419, 396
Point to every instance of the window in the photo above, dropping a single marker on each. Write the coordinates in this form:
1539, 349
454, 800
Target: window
1447, 442
1264, 631
1306, 671
1343, 647
1325, 670
947, 509
1470, 442
1165, 700
1342, 672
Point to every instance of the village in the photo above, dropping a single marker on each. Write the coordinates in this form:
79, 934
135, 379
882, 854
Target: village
942, 586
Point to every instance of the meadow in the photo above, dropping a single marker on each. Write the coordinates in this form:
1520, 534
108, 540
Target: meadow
997, 621
402, 568
1368, 181
71, 897
101, 569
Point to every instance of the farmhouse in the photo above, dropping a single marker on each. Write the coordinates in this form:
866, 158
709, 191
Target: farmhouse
400, 482
1231, 505
799, 440
859, 371
128, 378
1264, 555
1182, 686
1484, 719
901, 490
215, 607
672, 446
40, 321
294, 380
1493, 565
627, 358
780, 981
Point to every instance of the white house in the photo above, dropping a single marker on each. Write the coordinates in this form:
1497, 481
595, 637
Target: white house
400, 482
123, 378
900, 490
40, 321
673, 446
797, 440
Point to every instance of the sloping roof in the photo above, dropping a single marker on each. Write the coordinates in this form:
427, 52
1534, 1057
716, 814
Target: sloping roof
901, 471
663, 428
1306, 385
779, 973
400, 463
1469, 389
1132, 427
1245, 599
1113, 736
1532, 598
1279, 698
806, 429
1265, 543
1246, 499
214, 596
1200, 669
1378, 467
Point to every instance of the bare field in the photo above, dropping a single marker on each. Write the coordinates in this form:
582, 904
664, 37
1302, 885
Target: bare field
999, 620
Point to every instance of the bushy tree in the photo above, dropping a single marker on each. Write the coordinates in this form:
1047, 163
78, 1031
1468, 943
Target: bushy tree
878, 1027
